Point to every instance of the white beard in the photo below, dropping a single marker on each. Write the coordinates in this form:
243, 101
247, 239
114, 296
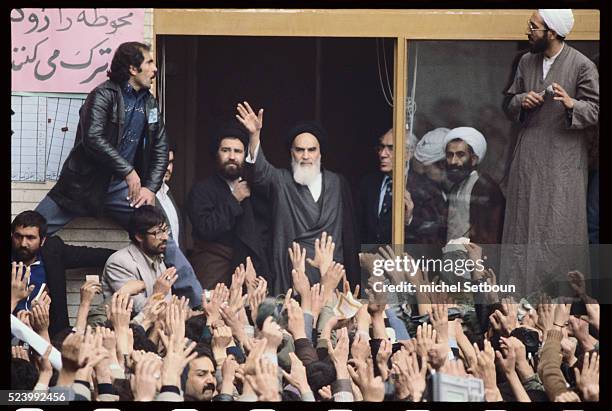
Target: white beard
305, 175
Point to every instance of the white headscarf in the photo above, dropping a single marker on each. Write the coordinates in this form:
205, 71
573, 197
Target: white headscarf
430, 148
472, 137
559, 20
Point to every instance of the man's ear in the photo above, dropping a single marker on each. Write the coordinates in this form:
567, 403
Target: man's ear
474, 160
139, 238
133, 70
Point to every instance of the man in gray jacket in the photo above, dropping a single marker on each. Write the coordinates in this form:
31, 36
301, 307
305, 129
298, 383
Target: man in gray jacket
142, 260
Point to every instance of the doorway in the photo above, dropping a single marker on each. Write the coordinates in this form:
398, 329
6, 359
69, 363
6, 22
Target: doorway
344, 83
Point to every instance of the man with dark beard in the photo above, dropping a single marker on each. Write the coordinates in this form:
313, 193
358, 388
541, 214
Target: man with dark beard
221, 212
47, 259
307, 202
475, 202
142, 259
554, 98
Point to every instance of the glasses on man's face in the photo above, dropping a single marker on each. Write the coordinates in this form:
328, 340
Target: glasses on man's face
160, 233
381, 147
532, 27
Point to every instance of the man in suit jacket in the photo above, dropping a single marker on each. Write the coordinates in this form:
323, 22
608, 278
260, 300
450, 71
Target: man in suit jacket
166, 202
48, 259
376, 194
143, 259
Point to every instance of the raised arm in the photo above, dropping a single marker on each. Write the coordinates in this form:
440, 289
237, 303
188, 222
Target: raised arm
253, 124
265, 174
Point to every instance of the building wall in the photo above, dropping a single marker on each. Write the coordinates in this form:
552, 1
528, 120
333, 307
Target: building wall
82, 231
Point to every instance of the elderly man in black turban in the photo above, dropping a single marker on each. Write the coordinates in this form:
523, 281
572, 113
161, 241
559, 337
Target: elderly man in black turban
306, 201
223, 213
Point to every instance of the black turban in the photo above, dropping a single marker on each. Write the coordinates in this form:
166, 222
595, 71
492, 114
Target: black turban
311, 127
231, 129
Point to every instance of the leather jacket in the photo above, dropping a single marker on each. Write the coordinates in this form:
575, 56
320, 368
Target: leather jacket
95, 160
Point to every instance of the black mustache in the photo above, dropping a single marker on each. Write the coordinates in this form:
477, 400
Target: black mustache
209, 386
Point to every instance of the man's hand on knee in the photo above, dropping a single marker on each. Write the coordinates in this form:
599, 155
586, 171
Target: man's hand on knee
145, 197
133, 182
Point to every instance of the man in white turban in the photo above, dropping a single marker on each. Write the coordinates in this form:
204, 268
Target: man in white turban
425, 184
475, 202
555, 99
559, 20
430, 149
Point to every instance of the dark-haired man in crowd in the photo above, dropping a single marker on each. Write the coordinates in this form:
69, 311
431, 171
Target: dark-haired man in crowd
142, 259
48, 258
120, 156
221, 212
168, 205
199, 380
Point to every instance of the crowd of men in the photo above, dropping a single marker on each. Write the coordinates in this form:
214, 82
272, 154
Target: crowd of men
268, 306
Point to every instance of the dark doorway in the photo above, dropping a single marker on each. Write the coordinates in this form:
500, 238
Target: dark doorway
337, 81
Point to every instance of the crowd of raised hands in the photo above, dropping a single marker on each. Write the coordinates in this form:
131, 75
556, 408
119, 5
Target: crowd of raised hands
301, 346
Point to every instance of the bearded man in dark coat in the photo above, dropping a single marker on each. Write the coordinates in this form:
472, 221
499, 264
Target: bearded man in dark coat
227, 227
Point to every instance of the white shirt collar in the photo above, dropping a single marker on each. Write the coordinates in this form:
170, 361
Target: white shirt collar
164, 189
553, 58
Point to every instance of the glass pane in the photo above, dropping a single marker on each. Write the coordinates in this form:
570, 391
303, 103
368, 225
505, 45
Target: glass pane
454, 84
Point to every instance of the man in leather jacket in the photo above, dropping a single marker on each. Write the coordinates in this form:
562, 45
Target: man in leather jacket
120, 156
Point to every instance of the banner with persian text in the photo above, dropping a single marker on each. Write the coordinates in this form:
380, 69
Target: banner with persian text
68, 50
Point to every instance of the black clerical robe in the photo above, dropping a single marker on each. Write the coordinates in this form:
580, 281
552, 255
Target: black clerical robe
296, 216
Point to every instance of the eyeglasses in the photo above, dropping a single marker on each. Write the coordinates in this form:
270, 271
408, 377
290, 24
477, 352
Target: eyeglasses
381, 147
533, 28
159, 234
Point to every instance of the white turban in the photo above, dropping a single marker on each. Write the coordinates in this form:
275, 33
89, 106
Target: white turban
430, 148
472, 137
559, 20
